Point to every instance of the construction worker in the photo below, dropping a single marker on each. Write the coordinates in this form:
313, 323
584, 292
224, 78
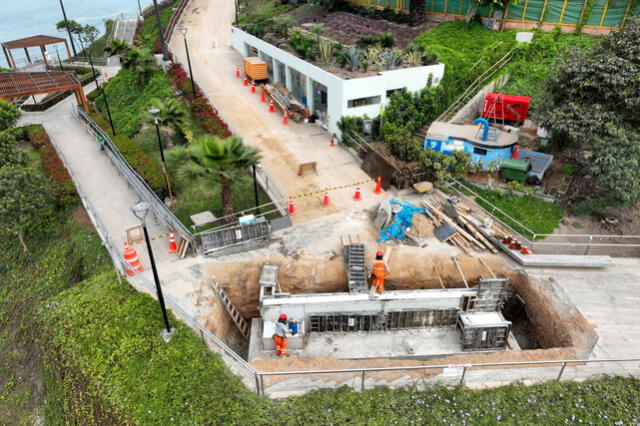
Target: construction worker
280, 336
378, 271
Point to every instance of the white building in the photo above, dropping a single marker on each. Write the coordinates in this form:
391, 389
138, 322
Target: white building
327, 95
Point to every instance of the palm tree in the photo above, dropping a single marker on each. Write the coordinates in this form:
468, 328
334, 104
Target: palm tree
116, 47
172, 115
214, 161
141, 61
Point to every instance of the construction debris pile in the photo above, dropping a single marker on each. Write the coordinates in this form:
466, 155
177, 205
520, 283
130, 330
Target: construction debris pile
441, 216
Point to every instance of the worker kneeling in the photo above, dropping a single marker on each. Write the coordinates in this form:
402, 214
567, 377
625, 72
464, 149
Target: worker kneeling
280, 336
378, 272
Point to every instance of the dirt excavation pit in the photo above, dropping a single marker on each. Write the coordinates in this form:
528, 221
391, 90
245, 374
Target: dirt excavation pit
545, 320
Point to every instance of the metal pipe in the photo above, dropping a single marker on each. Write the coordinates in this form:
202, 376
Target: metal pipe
362, 383
156, 279
464, 371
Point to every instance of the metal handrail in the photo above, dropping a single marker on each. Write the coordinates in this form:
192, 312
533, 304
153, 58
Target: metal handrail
533, 234
121, 265
159, 209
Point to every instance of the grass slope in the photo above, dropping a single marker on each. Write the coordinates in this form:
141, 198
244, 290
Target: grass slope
109, 335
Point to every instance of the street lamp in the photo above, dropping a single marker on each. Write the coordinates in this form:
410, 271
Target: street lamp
140, 8
154, 113
104, 95
255, 186
66, 23
165, 56
183, 30
140, 210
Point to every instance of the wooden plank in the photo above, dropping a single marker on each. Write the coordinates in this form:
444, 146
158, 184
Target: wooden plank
446, 218
305, 168
439, 277
460, 270
471, 227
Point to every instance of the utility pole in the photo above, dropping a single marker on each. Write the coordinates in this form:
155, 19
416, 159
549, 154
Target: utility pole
66, 22
165, 56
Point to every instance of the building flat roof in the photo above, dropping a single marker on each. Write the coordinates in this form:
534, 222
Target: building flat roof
471, 133
37, 40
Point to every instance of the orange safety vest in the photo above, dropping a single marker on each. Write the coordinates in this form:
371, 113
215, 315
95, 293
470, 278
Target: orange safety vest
379, 268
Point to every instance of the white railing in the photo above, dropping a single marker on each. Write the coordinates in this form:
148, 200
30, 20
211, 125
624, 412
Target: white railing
615, 244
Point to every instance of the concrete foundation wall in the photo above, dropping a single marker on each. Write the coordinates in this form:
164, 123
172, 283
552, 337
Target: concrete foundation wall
300, 307
340, 91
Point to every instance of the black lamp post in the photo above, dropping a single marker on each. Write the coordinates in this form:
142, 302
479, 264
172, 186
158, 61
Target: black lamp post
255, 187
66, 22
139, 8
59, 61
183, 30
154, 113
104, 95
165, 56
140, 210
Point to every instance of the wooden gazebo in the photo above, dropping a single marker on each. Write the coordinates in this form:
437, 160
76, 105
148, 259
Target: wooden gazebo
19, 84
34, 41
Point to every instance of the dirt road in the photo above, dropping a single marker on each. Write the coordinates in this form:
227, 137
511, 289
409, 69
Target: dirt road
284, 147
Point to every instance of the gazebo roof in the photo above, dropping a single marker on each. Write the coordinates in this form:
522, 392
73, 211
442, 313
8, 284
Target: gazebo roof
38, 40
17, 84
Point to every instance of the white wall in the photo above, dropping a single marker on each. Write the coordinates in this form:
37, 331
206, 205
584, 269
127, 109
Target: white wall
340, 91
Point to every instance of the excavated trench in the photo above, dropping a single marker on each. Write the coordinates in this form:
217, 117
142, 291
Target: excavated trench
546, 323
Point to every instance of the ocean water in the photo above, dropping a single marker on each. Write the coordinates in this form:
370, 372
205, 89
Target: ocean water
24, 18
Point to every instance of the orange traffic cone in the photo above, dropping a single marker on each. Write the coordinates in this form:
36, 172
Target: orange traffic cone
245, 82
325, 199
237, 71
378, 189
131, 256
262, 98
332, 142
253, 87
307, 115
271, 108
357, 196
292, 207
172, 242
285, 118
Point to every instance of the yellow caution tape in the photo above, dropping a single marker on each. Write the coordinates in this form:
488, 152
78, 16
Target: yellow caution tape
321, 191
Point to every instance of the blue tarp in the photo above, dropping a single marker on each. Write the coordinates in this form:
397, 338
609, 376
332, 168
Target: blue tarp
401, 222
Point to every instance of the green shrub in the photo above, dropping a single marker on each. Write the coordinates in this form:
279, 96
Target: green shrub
129, 99
143, 164
568, 169
593, 206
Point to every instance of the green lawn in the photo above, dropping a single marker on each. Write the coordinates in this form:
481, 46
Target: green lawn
467, 50
540, 216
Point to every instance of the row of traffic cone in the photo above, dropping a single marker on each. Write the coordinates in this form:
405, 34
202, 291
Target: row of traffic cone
357, 196
263, 99
131, 255
513, 244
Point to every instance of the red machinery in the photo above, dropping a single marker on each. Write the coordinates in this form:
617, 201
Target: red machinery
502, 108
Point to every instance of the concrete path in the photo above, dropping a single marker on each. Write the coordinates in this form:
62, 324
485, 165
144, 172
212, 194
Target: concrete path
284, 147
110, 196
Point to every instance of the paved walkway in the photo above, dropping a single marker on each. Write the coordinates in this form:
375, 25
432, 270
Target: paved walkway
284, 147
110, 196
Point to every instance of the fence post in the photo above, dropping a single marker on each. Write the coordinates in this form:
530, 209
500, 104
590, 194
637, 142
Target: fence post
362, 383
564, 364
464, 371
257, 376
261, 385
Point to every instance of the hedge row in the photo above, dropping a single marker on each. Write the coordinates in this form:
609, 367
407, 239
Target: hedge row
205, 113
63, 189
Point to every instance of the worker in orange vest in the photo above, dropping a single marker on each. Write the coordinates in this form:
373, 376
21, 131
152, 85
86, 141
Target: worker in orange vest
280, 336
378, 271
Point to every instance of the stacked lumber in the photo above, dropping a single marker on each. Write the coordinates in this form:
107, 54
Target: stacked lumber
467, 234
256, 69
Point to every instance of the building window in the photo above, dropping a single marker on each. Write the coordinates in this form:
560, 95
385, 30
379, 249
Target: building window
372, 100
480, 151
392, 91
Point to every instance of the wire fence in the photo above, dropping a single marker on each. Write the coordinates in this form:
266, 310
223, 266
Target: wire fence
135, 181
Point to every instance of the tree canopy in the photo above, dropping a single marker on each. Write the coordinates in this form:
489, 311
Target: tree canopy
9, 115
592, 107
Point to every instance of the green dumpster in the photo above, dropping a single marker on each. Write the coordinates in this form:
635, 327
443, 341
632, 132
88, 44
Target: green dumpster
513, 169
